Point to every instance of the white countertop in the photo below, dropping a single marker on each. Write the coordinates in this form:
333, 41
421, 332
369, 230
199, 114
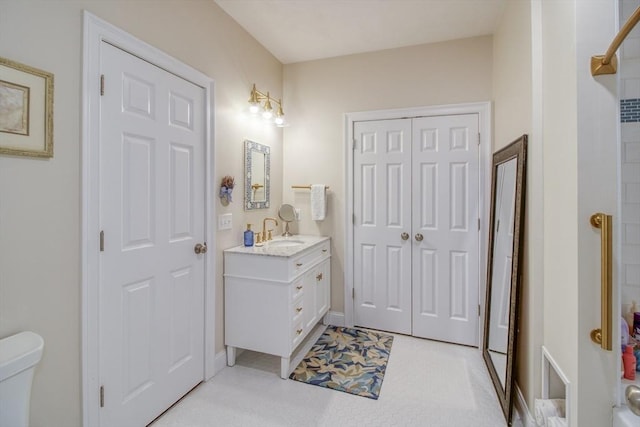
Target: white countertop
273, 248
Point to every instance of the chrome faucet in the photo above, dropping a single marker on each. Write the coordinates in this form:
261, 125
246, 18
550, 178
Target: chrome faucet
264, 228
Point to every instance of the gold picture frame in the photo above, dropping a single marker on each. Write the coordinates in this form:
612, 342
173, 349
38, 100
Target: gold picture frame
26, 110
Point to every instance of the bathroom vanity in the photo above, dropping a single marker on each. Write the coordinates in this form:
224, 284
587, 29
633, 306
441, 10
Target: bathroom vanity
275, 294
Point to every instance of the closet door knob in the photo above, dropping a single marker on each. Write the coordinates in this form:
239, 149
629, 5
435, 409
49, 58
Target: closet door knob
404, 236
419, 237
200, 248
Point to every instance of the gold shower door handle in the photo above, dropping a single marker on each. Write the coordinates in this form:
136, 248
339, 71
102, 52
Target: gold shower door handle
604, 336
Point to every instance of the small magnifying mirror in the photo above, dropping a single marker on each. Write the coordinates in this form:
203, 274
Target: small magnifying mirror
287, 214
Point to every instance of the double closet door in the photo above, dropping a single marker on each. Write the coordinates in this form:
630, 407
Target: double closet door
416, 226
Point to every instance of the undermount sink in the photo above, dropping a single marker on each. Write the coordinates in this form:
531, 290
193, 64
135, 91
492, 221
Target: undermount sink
285, 243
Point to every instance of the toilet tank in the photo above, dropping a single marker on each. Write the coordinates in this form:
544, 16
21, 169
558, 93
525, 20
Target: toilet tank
19, 355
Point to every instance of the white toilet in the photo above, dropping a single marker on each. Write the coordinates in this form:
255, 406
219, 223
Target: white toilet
19, 354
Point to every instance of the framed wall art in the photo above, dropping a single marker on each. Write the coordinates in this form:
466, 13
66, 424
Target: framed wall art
26, 110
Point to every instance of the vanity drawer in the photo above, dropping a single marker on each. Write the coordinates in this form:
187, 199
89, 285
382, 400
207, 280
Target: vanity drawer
296, 311
306, 260
297, 289
297, 333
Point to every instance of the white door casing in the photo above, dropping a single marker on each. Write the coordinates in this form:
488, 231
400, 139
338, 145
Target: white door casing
382, 208
416, 240
152, 216
445, 212
96, 32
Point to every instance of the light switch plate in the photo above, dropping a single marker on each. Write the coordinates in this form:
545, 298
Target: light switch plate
298, 212
225, 221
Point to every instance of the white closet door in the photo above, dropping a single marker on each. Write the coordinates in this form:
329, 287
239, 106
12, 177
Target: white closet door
445, 170
152, 214
382, 208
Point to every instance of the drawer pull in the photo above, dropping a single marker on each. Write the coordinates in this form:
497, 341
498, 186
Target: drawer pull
299, 309
319, 277
299, 331
299, 287
298, 264
324, 250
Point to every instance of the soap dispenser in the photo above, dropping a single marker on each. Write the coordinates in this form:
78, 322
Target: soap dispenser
248, 236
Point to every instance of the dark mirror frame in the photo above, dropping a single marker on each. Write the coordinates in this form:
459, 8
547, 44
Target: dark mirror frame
518, 150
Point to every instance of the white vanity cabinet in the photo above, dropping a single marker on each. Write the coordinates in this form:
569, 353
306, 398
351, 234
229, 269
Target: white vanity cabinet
275, 295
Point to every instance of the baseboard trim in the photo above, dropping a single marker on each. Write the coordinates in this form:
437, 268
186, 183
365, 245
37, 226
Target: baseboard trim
334, 318
220, 362
523, 410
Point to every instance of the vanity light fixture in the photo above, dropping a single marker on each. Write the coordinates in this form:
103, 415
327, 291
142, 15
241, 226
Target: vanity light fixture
266, 109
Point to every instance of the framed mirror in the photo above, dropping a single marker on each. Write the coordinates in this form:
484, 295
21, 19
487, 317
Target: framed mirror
506, 237
257, 164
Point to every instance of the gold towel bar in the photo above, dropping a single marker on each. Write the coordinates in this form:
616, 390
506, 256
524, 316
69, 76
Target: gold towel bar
608, 63
307, 187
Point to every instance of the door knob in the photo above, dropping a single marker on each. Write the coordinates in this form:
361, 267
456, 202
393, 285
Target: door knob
404, 236
419, 237
200, 248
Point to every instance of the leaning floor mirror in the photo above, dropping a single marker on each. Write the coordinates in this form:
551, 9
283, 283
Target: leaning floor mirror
504, 266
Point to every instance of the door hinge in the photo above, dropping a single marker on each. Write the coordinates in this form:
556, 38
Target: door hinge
497, 226
478, 310
101, 84
102, 396
353, 219
353, 293
354, 144
101, 240
478, 224
478, 138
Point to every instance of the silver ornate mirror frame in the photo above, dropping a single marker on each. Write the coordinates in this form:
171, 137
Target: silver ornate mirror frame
503, 281
257, 166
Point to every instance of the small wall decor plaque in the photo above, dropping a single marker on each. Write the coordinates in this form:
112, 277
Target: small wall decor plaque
26, 110
226, 188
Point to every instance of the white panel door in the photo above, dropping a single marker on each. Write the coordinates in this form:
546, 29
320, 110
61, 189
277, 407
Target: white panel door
503, 250
382, 209
416, 237
445, 228
152, 214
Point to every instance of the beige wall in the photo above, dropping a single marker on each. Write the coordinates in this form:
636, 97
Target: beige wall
580, 166
40, 210
513, 116
319, 93
560, 186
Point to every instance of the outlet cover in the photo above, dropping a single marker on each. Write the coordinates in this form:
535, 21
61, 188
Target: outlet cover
225, 221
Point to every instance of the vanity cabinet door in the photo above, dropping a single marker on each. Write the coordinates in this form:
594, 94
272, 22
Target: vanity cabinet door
310, 315
322, 279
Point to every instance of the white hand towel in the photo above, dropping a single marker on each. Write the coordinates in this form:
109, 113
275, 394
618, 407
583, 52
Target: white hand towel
556, 422
318, 202
545, 408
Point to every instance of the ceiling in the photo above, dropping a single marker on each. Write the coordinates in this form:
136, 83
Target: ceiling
303, 30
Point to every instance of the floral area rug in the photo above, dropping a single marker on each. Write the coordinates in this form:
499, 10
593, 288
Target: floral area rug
347, 359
